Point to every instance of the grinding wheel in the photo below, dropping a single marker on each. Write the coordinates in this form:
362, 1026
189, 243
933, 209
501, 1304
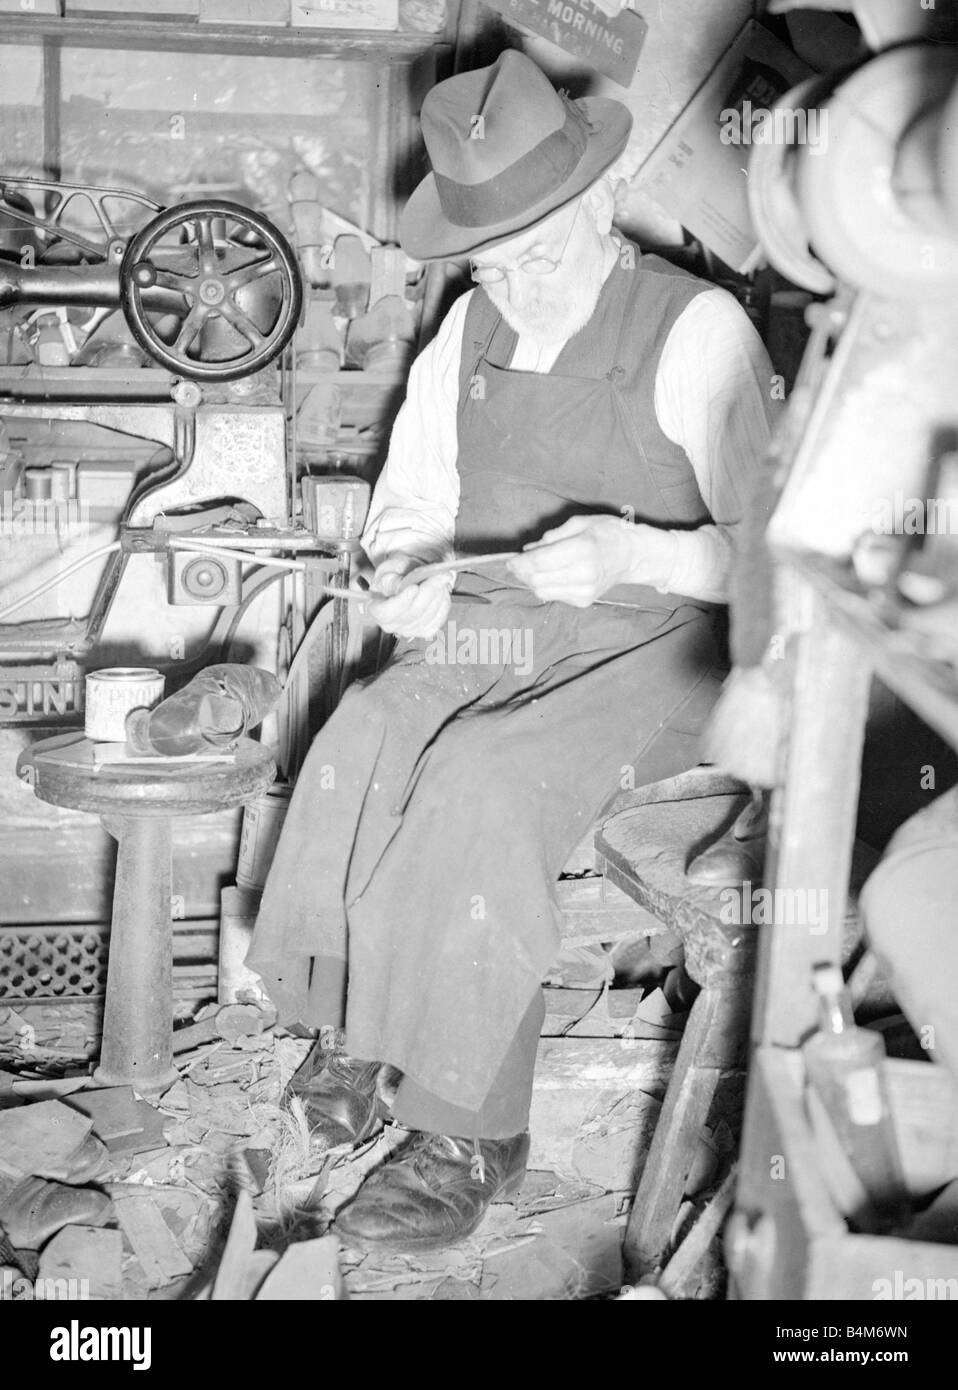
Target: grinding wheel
948, 155
856, 217
773, 207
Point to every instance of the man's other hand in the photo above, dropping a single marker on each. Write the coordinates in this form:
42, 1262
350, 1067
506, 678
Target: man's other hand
580, 560
419, 610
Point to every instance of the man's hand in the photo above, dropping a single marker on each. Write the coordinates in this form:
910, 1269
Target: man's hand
420, 610
580, 560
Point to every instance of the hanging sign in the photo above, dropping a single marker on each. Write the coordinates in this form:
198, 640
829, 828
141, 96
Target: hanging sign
609, 43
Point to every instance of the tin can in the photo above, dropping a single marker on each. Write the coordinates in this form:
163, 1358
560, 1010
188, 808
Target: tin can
262, 822
236, 983
112, 693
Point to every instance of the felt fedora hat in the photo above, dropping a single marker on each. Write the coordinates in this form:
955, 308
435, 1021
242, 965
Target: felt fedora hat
506, 150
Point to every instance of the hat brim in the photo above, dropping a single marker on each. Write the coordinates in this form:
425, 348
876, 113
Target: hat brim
426, 234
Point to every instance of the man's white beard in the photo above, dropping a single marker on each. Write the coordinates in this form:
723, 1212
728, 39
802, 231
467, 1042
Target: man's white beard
552, 320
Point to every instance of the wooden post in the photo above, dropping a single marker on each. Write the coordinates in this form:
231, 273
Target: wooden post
812, 828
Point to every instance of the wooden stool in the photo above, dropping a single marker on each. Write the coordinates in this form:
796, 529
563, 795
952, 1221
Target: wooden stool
137, 804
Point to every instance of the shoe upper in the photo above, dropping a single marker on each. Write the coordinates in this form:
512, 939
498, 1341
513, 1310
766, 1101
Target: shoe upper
435, 1191
340, 1096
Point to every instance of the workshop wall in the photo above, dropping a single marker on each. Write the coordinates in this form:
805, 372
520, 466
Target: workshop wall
685, 39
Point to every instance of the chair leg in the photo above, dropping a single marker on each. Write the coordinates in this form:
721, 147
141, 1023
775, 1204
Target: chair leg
711, 1043
679, 1277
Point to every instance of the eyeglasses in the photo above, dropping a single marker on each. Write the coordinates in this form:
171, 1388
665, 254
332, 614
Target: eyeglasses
535, 265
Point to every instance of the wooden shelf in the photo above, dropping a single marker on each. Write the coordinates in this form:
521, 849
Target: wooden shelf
121, 385
929, 687
379, 380
159, 35
84, 385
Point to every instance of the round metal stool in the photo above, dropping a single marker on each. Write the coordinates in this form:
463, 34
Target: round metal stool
137, 804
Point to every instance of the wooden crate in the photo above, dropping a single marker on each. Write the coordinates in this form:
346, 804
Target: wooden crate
788, 1238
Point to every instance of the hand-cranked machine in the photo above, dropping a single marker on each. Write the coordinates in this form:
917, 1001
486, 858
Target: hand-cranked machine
165, 326
210, 290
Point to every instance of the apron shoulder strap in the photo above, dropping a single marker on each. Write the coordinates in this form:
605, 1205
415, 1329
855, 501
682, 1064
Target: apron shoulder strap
478, 331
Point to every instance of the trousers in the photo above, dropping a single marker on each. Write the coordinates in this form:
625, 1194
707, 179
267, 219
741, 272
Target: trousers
412, 897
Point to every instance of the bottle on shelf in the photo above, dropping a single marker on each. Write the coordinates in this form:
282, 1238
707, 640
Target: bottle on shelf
845, 1066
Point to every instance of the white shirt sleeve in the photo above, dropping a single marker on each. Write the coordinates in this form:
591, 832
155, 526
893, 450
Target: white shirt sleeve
415, 501
713, 397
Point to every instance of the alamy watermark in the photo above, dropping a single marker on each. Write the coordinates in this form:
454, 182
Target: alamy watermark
483, 646
783, 125
76, 1343
900, 515
762, 907
899, 1287
25, 516
15, 1287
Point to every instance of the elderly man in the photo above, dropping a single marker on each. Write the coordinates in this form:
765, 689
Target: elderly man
608, 413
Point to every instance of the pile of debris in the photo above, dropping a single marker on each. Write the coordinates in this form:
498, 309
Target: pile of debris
215, 1190
130, 1197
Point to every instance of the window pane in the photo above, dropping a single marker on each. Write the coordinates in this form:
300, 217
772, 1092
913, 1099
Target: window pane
21, 111
175, 126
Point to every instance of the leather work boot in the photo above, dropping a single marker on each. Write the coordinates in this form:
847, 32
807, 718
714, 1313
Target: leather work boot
345, 1100
433, 1193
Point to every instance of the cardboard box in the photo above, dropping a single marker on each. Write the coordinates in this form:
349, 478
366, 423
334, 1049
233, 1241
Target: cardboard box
244, 12
105, 484
700, 178
344, 14
133, 9
29, 7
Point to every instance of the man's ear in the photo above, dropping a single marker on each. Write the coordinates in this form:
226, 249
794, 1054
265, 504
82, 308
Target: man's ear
601, 203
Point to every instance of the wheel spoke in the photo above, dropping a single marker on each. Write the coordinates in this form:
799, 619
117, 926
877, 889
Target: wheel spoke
204, 240
190, 328
242, 322
246, 274
175, 280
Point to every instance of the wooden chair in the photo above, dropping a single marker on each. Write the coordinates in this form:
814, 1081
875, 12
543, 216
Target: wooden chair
643, 851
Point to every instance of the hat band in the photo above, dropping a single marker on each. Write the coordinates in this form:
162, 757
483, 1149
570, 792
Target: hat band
523, 184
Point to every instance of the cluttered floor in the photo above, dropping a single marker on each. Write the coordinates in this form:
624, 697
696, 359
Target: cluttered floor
212, 1190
